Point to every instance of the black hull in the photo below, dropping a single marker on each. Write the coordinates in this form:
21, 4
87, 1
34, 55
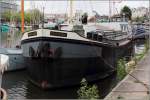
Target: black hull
66, 72
55, 64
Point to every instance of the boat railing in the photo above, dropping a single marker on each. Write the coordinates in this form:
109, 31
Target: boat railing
111, 35
115, 34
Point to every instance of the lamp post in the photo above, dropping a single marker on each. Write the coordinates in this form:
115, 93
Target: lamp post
22, 15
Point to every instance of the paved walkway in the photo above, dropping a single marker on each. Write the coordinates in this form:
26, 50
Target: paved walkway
136, 85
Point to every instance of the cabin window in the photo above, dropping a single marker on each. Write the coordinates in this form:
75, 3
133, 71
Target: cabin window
89, 35
32, 34
92, 35
124, 27
61, 34
95, 35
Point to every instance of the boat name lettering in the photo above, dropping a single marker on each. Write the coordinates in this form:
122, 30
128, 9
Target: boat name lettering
53, 33
32, 34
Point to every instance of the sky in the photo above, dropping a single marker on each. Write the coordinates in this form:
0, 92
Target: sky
101, 6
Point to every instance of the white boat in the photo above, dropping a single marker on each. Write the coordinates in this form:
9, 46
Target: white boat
16, 61
4, 61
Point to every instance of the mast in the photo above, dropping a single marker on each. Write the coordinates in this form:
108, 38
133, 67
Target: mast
109, 9
43, 18
149, 21
71, 10
22, 15
113, 13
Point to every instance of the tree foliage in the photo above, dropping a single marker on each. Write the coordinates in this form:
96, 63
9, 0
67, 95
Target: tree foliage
139, 19
6, 15
127, 12
33, 16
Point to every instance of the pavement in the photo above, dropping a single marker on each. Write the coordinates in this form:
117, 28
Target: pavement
136, 85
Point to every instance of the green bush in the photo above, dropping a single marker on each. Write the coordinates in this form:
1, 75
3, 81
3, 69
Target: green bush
146, 45
121, 65
121, 69
87, 92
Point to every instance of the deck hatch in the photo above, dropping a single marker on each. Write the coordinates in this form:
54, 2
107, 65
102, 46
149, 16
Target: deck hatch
61, 34
32, 34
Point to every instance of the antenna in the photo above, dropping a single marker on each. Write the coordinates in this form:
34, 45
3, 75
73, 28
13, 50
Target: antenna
109, 9
117, 10
114, 7
71, 10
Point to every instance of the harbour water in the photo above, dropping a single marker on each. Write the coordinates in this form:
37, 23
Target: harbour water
18, 87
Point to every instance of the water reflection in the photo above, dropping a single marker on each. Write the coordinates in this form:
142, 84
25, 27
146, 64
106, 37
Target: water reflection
18, 87
15, 84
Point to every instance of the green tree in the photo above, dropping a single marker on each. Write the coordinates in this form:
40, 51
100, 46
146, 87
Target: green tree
139, 19
6, 15
127, 11
34, 16
27, 17
9, 16
17, 16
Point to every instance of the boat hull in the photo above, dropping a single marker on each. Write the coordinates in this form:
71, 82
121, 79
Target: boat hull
52, 63
16, 60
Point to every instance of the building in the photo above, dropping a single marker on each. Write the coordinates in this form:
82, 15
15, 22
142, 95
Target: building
100, 18
54, 17
139, 12
8, 5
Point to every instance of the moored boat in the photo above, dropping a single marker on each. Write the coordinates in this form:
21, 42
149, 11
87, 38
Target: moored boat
16, 61
56, 58
4, 59
3, 94
139, 32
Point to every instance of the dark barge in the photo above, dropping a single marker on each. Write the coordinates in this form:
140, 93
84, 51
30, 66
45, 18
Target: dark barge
57, 58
